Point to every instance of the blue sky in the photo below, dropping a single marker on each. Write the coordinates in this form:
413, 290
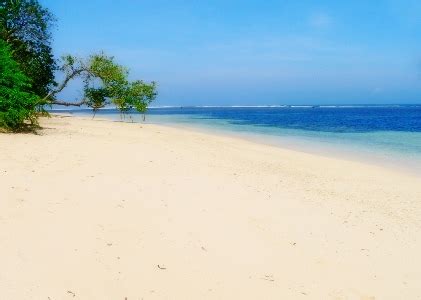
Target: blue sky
253, 52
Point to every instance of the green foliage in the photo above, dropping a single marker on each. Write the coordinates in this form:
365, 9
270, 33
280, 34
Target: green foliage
140, 95
25, 26
106, 82
18, 106
96, 97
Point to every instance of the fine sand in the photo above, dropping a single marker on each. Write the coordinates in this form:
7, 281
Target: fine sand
94, 209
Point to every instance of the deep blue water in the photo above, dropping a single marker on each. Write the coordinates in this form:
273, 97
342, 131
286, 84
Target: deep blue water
325, 118
388, 132
328, 119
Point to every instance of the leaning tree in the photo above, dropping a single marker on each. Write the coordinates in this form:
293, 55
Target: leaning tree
105, 82
25, 26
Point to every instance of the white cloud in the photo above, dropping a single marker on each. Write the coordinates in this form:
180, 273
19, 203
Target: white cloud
320, 20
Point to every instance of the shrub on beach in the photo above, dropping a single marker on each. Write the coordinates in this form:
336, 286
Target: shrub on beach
18, 106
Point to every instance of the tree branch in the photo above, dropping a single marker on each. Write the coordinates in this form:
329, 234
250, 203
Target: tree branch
65, 103
69, 77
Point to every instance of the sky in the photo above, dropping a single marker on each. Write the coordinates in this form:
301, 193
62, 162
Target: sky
253, 52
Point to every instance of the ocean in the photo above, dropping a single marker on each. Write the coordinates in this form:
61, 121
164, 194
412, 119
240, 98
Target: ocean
388, 134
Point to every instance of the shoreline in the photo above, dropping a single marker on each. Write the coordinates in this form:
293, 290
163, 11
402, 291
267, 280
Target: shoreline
393, 161
318, 148
108, 210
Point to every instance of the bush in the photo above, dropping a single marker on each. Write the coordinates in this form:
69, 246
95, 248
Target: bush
18, 106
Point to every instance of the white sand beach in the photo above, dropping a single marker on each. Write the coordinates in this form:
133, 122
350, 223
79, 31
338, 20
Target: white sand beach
94, 209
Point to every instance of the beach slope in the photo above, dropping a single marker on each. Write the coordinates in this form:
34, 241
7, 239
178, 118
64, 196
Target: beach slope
94, 209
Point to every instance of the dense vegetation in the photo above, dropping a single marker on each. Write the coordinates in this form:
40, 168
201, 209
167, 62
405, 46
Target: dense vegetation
27, 68
17, 103
26, 26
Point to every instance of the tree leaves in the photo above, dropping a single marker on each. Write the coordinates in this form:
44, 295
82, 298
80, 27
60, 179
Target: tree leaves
17, 104
106, 82
25, 25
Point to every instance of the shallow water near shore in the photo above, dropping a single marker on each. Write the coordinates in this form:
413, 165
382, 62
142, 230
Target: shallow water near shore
386, 135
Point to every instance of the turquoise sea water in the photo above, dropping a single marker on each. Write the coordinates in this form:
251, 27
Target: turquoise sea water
379, 134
